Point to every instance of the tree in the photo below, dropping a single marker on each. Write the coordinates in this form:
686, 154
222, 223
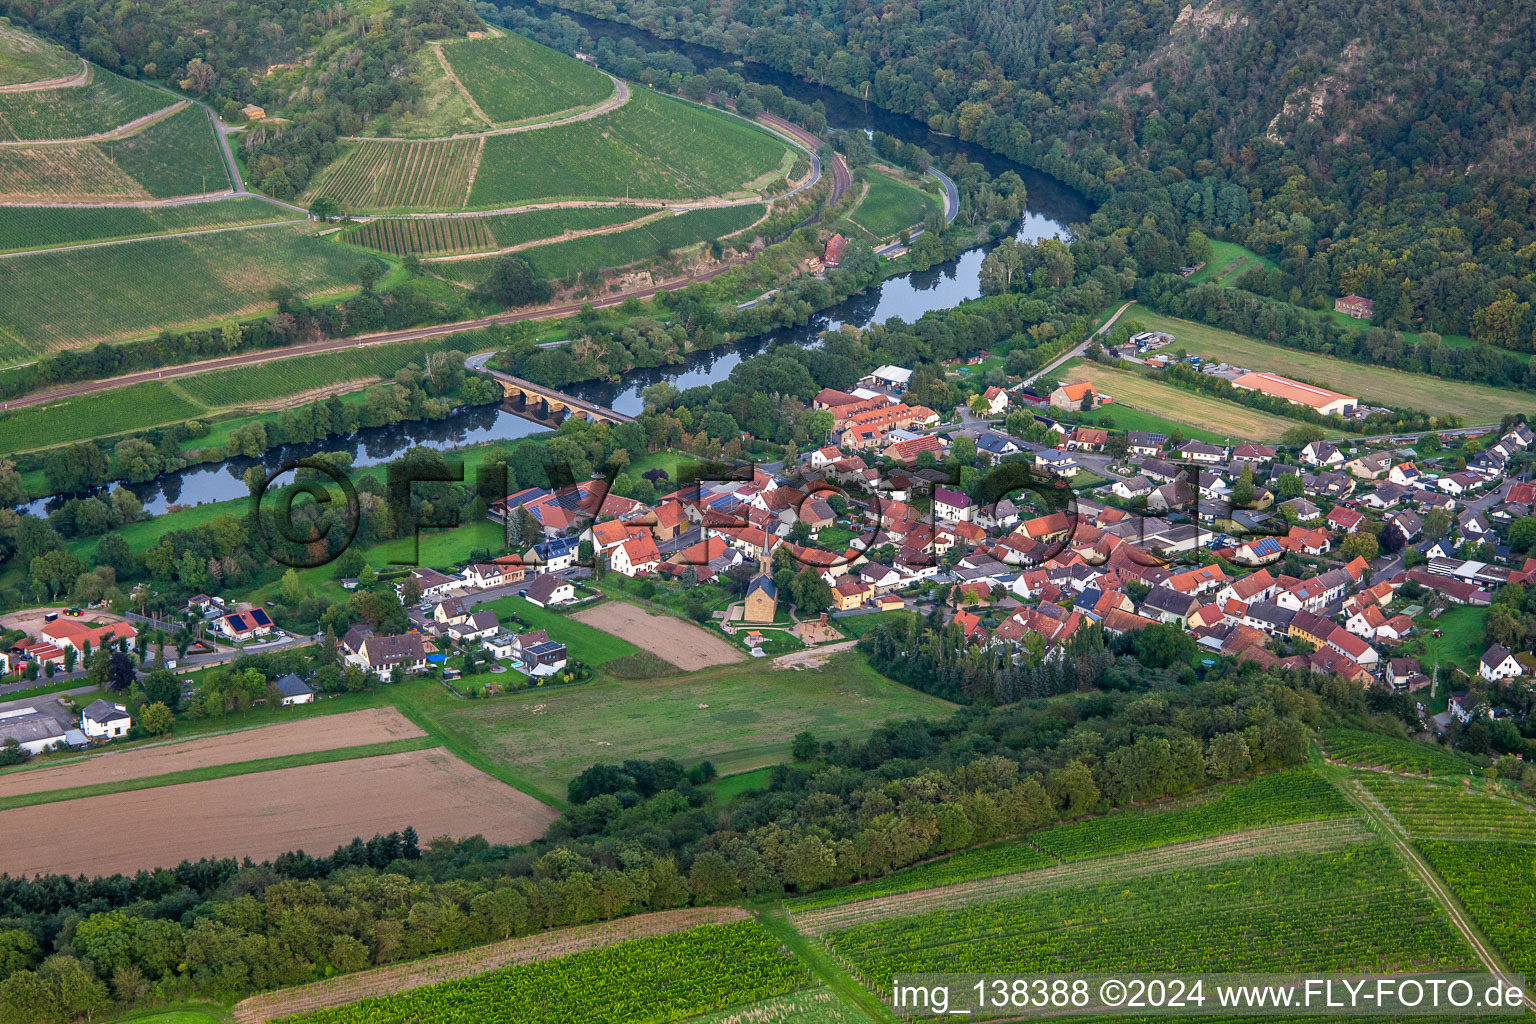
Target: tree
1162, 646
511, 282
157, 719
325, 208
410, 591
1360, 545
120, 671
368, 273
804, 747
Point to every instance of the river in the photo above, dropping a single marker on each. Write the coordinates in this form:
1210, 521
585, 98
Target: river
1052, 206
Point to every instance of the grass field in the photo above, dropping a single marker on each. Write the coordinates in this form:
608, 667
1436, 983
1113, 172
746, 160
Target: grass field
891, 205
138, 405
1228, 261
620, 248
402, 175
41, 227
1476, 403
515, 79
1461, 642
1125, 417
586, 643
64, 300
26, 58
740, 716
106, 102
177, 156
653, 147
1133, 390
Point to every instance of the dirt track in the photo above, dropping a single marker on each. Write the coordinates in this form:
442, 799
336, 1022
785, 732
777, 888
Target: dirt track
385, 981
681, 643
314, 808
328, 732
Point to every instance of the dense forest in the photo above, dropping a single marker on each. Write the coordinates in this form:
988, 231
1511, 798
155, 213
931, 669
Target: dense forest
1380, 148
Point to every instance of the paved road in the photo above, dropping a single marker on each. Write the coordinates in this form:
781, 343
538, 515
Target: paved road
1079, 350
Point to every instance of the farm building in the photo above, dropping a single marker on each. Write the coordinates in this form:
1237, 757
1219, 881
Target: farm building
252, 112
1329, 403
1081, 396
1355, 306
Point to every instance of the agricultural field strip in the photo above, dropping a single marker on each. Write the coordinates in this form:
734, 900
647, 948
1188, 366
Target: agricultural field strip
618, 99
1306, 836
127, 128
307, 735
1372, 750
607, 229
144, 238
660, 978
1442, 810
1407, 852
397, 978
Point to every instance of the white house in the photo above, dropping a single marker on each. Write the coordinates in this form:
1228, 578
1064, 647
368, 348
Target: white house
546, 590
294, 690
952, 506
103, 721
1498, 663
243, 627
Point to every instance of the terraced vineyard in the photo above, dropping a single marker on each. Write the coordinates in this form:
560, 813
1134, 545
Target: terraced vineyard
108, 101
1496, 882
443, 236
620, 248
1297, 794
68, 171
57, 300
666, 978
177, 156
514, 79
1373, 750
42, 227
654, 147
1345, 909
402, 175
1447, 810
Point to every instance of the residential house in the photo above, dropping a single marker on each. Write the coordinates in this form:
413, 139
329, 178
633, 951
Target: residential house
1081, 396
1087, 439
1355, 306
953, 506
546, 589
1201, 452
1344, 519
1132, 487
293, 690
243, 627
636, 556
1142, 443
1371, 466
387, 655
850, 592
996, 399
1169, 606
102, 720
1498, 663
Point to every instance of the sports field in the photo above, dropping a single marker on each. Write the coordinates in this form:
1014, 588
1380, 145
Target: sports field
653, 147
1476, 403
1132, 389
59, 300
513, 79
260, 815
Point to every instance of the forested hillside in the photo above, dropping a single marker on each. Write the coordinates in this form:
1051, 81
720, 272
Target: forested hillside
1373, 147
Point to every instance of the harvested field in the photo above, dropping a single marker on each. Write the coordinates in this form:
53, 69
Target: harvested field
314, 808
385, 981
683, 644
1307, 837
327, 732
1136, 391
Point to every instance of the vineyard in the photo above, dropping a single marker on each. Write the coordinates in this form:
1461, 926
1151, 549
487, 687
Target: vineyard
402, 175
445, 236
98, 415
177, 156
1446, 810
43, 227
26, 58
652, 147
79, 171
1373, 750
107, 102
1496, 882
817, 1006
514, 79
665, 978
559, 260
1351, 909
986, 862
66, 299
1298, 794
